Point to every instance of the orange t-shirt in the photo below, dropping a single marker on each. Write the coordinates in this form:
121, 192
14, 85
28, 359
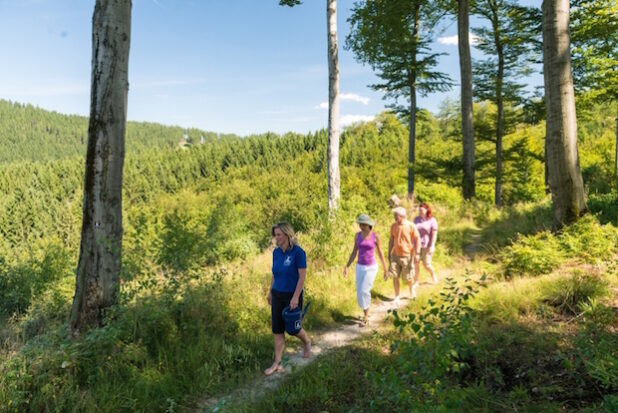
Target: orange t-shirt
403, 237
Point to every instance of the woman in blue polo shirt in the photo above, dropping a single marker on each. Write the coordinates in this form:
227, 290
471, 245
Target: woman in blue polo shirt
286, 288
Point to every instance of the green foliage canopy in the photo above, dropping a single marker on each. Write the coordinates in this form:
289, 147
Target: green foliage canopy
394, 37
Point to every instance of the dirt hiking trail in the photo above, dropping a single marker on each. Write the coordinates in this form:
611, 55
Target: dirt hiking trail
337, 336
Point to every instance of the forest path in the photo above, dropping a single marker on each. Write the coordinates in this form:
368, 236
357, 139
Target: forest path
324, 341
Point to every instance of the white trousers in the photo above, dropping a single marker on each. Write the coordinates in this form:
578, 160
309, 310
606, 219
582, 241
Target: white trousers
365, 276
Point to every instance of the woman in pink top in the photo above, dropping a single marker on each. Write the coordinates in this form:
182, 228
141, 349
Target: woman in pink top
428, 230
365, 243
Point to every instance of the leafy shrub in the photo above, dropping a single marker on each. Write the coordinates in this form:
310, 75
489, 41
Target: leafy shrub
589, 240
605, 205
21, 283
534, 255
440, 193
445, 327
228, 236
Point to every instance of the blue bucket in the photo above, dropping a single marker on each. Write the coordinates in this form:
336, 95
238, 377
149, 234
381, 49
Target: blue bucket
293, 319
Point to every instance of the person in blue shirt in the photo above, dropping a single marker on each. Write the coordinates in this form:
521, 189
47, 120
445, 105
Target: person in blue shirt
286, 288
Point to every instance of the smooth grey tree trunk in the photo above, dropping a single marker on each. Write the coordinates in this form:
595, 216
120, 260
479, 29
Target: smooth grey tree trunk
467, 127
97, 275
565, 178
334, 180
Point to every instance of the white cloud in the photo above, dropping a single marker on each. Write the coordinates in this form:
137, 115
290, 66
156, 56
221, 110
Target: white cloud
347, 96
355, 98
350, 119
452, 40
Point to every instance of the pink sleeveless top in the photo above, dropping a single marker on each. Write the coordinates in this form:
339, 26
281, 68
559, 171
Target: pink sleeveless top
366, 248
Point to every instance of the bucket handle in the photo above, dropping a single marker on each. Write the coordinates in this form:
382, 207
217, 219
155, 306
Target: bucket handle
305, 310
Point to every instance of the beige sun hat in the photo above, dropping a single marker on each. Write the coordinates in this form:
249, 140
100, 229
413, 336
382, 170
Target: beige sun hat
365, 219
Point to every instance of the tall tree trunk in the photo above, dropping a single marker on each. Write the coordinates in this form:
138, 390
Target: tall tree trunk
565, 178
412, 141
97, 276
467, 127
616, 157
499, 134
546, 169
500, 104
412, 86
334, 180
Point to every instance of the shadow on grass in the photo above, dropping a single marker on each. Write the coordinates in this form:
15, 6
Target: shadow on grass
496, 234
461, 240
381, 297
506, 367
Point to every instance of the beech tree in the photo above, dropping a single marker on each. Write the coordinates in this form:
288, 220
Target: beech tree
565, 178
393, 37
98, 269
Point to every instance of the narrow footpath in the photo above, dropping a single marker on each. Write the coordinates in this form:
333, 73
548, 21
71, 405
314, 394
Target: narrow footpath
339, 335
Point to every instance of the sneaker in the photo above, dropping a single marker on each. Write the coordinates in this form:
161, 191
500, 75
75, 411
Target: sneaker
396, 300
435, 279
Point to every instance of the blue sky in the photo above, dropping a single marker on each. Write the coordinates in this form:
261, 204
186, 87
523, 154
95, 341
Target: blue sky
231, 66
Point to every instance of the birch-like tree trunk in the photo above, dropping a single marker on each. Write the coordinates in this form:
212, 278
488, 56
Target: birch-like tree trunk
97, 276
334, 180
467, 127
565, 178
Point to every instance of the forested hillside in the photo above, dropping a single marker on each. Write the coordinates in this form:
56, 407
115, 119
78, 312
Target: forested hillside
31, 133
139, 264
196, 223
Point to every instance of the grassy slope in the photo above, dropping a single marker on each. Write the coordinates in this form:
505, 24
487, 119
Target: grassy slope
534, 344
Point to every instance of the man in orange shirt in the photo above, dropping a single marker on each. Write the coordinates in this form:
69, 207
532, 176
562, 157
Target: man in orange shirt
404, 249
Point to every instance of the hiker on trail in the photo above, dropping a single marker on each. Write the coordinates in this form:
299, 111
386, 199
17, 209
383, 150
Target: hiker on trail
286, 288
427, 226
365, 243
404, 250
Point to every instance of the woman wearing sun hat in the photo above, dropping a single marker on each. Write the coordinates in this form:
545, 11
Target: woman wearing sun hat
366, 241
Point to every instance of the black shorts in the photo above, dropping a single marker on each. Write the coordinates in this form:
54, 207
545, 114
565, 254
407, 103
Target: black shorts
279, 302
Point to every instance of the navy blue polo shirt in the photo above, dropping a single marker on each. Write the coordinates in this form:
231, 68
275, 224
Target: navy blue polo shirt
285, 268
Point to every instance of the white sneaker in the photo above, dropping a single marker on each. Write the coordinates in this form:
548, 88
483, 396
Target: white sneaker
435, 279
396, 300
414, 287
